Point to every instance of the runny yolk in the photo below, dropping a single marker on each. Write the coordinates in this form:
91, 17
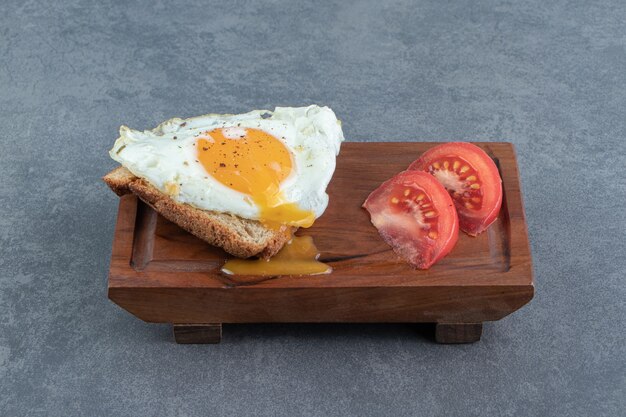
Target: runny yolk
255, 163
298, 257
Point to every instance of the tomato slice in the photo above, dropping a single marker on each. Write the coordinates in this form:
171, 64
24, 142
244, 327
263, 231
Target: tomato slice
415, 215
472, 179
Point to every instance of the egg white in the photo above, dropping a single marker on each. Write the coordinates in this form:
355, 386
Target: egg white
167, 157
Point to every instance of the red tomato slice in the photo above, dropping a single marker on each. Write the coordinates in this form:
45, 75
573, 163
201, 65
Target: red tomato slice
415, 215
472, 179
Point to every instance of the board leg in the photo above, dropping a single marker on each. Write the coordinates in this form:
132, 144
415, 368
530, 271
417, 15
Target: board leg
198, 333
458, 332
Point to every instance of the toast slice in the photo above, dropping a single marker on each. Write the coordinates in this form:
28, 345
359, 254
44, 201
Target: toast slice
240, 237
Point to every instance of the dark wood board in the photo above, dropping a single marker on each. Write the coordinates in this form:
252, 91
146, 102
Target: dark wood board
162, 274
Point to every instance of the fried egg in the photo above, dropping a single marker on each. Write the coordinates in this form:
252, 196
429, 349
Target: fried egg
271, 166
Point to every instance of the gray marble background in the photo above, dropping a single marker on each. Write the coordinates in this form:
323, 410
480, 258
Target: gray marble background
549, 76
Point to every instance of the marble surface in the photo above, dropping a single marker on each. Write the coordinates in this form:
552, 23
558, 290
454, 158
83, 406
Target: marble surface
548, 76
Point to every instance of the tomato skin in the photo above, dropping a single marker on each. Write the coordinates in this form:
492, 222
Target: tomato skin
415, 215
472, 220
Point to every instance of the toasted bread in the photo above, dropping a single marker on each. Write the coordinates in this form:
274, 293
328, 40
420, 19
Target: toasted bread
240, 237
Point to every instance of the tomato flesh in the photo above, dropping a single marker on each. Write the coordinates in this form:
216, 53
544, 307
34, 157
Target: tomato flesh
472, 179
415, 215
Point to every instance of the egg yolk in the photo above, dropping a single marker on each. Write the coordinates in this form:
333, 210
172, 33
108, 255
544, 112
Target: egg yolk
255, 163
298, 257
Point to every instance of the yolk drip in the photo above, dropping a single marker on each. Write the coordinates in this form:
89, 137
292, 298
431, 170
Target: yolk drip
255, 163
298, 257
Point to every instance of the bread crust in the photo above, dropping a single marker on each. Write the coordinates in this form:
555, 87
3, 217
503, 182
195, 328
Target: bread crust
119, 179
240, 237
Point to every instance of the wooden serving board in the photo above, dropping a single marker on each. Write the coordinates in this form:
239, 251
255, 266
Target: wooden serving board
162, 274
